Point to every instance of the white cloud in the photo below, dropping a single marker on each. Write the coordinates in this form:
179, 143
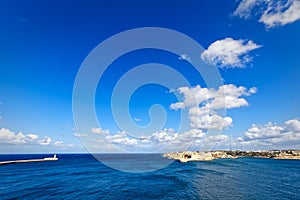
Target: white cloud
57, 143
173, 139
184, 57
170, 136
45, 141
121, 138
99, 131
163, 136
177, 106
10, 137
79, 134
166, 138
182, 141
202, 104
293, 125
279, 15
273, 134
244, 8
229, 96
63, 145
192, 96
210, 121
267, 131
272, 13
229, 53
257, 135
216, 138
192, 134
252, 90
137, 119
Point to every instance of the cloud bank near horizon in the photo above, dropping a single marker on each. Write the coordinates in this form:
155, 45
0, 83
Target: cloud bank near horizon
203, 106
8, 137
257, 137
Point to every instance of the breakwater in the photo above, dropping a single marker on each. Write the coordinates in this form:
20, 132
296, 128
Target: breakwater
54, 158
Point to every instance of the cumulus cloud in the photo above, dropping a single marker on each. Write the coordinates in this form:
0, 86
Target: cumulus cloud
293, 125
192, 134
257, 137
229, 96
270, 12
210, 121
269, 134
229, 53
264, 132
273, 134
10, 137
203, 103
212, 139
170, 136
177, 106
165, 138
121, 138
99, 131
162, 136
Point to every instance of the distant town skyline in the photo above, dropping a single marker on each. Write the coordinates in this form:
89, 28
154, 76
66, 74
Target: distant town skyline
254, 45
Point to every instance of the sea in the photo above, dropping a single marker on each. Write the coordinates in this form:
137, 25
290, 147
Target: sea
82, 176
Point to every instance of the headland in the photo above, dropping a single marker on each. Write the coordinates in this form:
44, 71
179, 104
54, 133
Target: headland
186, 156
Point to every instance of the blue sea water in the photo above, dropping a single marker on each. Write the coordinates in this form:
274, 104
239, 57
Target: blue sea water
81, 176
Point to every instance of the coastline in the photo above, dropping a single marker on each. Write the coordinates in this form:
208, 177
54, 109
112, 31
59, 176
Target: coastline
186, 156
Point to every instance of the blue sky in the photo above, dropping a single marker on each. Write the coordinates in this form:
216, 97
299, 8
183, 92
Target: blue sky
43, 44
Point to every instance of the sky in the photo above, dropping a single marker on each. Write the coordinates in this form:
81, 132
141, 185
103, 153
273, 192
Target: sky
250, 47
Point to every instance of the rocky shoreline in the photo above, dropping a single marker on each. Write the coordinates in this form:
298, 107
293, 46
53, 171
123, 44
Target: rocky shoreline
186, 156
